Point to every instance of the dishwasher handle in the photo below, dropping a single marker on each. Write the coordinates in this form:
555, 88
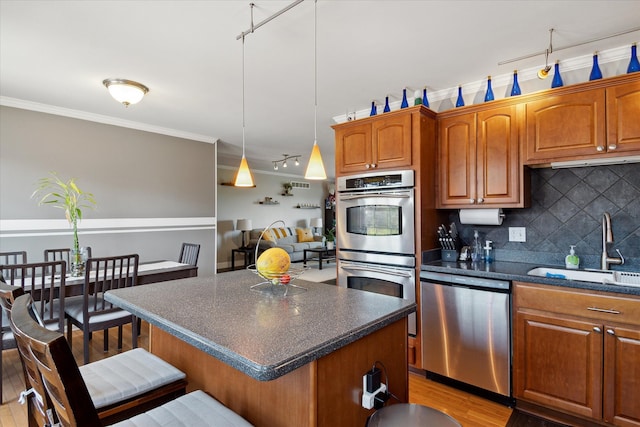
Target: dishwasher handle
375, 270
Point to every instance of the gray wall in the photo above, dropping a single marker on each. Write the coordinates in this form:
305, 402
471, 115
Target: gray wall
167, 183
566, 209
236, 203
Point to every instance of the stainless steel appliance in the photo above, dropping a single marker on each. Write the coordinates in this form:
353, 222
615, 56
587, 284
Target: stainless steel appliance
376, 212
380, 273
466, 329
375, 234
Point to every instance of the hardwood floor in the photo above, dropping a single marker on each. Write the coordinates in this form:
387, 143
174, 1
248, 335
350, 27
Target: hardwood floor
469, 410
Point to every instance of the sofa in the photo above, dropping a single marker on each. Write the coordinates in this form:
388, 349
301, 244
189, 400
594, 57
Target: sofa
294, 240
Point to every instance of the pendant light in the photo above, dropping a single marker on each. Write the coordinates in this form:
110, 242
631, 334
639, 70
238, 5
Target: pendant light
243, 177
315, 167
544, 72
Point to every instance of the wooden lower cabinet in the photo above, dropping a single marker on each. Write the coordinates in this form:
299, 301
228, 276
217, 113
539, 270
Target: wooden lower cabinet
577, 353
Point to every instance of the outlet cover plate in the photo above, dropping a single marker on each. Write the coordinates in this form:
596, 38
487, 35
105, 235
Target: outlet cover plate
517, 234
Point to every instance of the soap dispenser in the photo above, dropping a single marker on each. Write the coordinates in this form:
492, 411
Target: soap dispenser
476, 249
572, 261
488, 255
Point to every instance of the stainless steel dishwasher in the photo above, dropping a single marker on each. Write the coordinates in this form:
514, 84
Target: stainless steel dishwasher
466, 333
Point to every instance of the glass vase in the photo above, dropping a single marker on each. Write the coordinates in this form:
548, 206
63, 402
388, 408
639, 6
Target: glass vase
489, 95
405, 103
557, 78
425, 101
374, 109
386, 105
515, 89
78, 260
416, 98
634, 65
460, 100
595, 69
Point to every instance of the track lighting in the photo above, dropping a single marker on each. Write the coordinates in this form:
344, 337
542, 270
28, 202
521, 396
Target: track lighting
283, 162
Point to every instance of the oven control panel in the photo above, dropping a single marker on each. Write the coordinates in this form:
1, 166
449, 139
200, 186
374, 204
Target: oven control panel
391, 179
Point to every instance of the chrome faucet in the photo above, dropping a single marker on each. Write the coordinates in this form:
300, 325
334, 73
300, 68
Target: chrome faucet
607, 237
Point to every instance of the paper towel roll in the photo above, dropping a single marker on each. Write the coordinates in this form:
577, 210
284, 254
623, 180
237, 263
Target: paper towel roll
481, 216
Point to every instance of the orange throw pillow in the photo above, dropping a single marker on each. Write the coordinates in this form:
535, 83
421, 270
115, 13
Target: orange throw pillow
304, 235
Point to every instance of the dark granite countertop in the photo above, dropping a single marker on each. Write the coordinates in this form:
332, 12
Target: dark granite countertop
259, 334
517, 271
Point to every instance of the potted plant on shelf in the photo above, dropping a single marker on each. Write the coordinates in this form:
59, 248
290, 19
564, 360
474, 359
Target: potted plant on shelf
67, 196
330, 238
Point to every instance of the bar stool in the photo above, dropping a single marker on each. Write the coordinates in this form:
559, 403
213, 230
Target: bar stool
409, 415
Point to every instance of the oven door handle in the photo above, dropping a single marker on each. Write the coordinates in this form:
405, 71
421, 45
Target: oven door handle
378, 195
375, 270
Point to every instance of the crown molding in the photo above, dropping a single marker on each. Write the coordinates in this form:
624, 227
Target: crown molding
98, 118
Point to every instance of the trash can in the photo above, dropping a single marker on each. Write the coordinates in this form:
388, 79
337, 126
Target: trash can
409, 415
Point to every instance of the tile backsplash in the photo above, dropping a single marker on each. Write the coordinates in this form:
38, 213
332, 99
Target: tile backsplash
567, 206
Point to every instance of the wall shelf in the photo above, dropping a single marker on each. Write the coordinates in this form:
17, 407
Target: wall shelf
231, 184
268, 203
307, 207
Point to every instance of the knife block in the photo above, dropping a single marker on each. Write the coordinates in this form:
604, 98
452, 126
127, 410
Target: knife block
449, 255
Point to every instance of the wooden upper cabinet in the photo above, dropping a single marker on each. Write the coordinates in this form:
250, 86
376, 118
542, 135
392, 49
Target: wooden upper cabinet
565, 126
479, 163
623, 118
379, 143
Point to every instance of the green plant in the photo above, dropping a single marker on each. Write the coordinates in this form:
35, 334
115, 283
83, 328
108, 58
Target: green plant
67, 196
330, 235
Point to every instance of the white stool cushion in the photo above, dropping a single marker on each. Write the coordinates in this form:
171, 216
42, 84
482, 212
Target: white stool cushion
191, 410
126, 375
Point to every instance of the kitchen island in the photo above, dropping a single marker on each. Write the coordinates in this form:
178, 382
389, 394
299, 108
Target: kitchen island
295, 360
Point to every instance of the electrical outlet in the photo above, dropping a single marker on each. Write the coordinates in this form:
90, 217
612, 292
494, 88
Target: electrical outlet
517, 234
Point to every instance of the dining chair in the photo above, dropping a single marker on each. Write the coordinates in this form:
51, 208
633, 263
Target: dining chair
11, 258
63, 254
90, 312
8, 294
189, 253
70, 397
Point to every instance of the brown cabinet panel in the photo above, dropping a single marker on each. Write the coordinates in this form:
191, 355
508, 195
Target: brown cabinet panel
391, 144
457, 160
623, 113
559, 363
353, 148
565, 126
622, 376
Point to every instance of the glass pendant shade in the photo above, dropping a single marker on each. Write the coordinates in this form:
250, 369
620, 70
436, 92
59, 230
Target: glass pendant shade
460, 100
515, 89
125, 91
243, 177
386, 105
489, 95
374, 109
315, 167
557, 78
595, 69
634, 65
425, 101
405, 103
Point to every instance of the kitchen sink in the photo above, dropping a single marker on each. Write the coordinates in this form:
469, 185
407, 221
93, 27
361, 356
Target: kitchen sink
609, 277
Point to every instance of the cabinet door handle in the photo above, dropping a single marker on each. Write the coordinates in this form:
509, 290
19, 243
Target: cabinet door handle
373, 165
367, 166
480, 200
612, 146
597, 330
472, 201
603, 310
600, 148
611, 332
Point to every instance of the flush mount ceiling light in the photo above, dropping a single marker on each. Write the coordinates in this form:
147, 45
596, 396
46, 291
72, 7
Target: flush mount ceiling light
315, 167
126, 91
283, 162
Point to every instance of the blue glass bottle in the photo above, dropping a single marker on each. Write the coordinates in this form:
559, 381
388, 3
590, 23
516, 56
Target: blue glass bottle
386, 105
557, 78
489, 95
374, 109
595, 69
405, 103
460, 100
425, 101
515, 89
634, 65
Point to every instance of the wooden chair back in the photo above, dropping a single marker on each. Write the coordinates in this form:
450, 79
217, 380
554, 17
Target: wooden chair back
7, 341
38, 403
189, 253
44, 281
58, 370
11, 258
62, 254
105, 274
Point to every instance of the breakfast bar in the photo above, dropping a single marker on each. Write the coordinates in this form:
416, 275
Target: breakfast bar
276, 360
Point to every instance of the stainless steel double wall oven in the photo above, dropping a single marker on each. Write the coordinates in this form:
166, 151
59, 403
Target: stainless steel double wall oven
376, 234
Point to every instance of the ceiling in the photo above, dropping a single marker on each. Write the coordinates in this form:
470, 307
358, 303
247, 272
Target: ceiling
55, 54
